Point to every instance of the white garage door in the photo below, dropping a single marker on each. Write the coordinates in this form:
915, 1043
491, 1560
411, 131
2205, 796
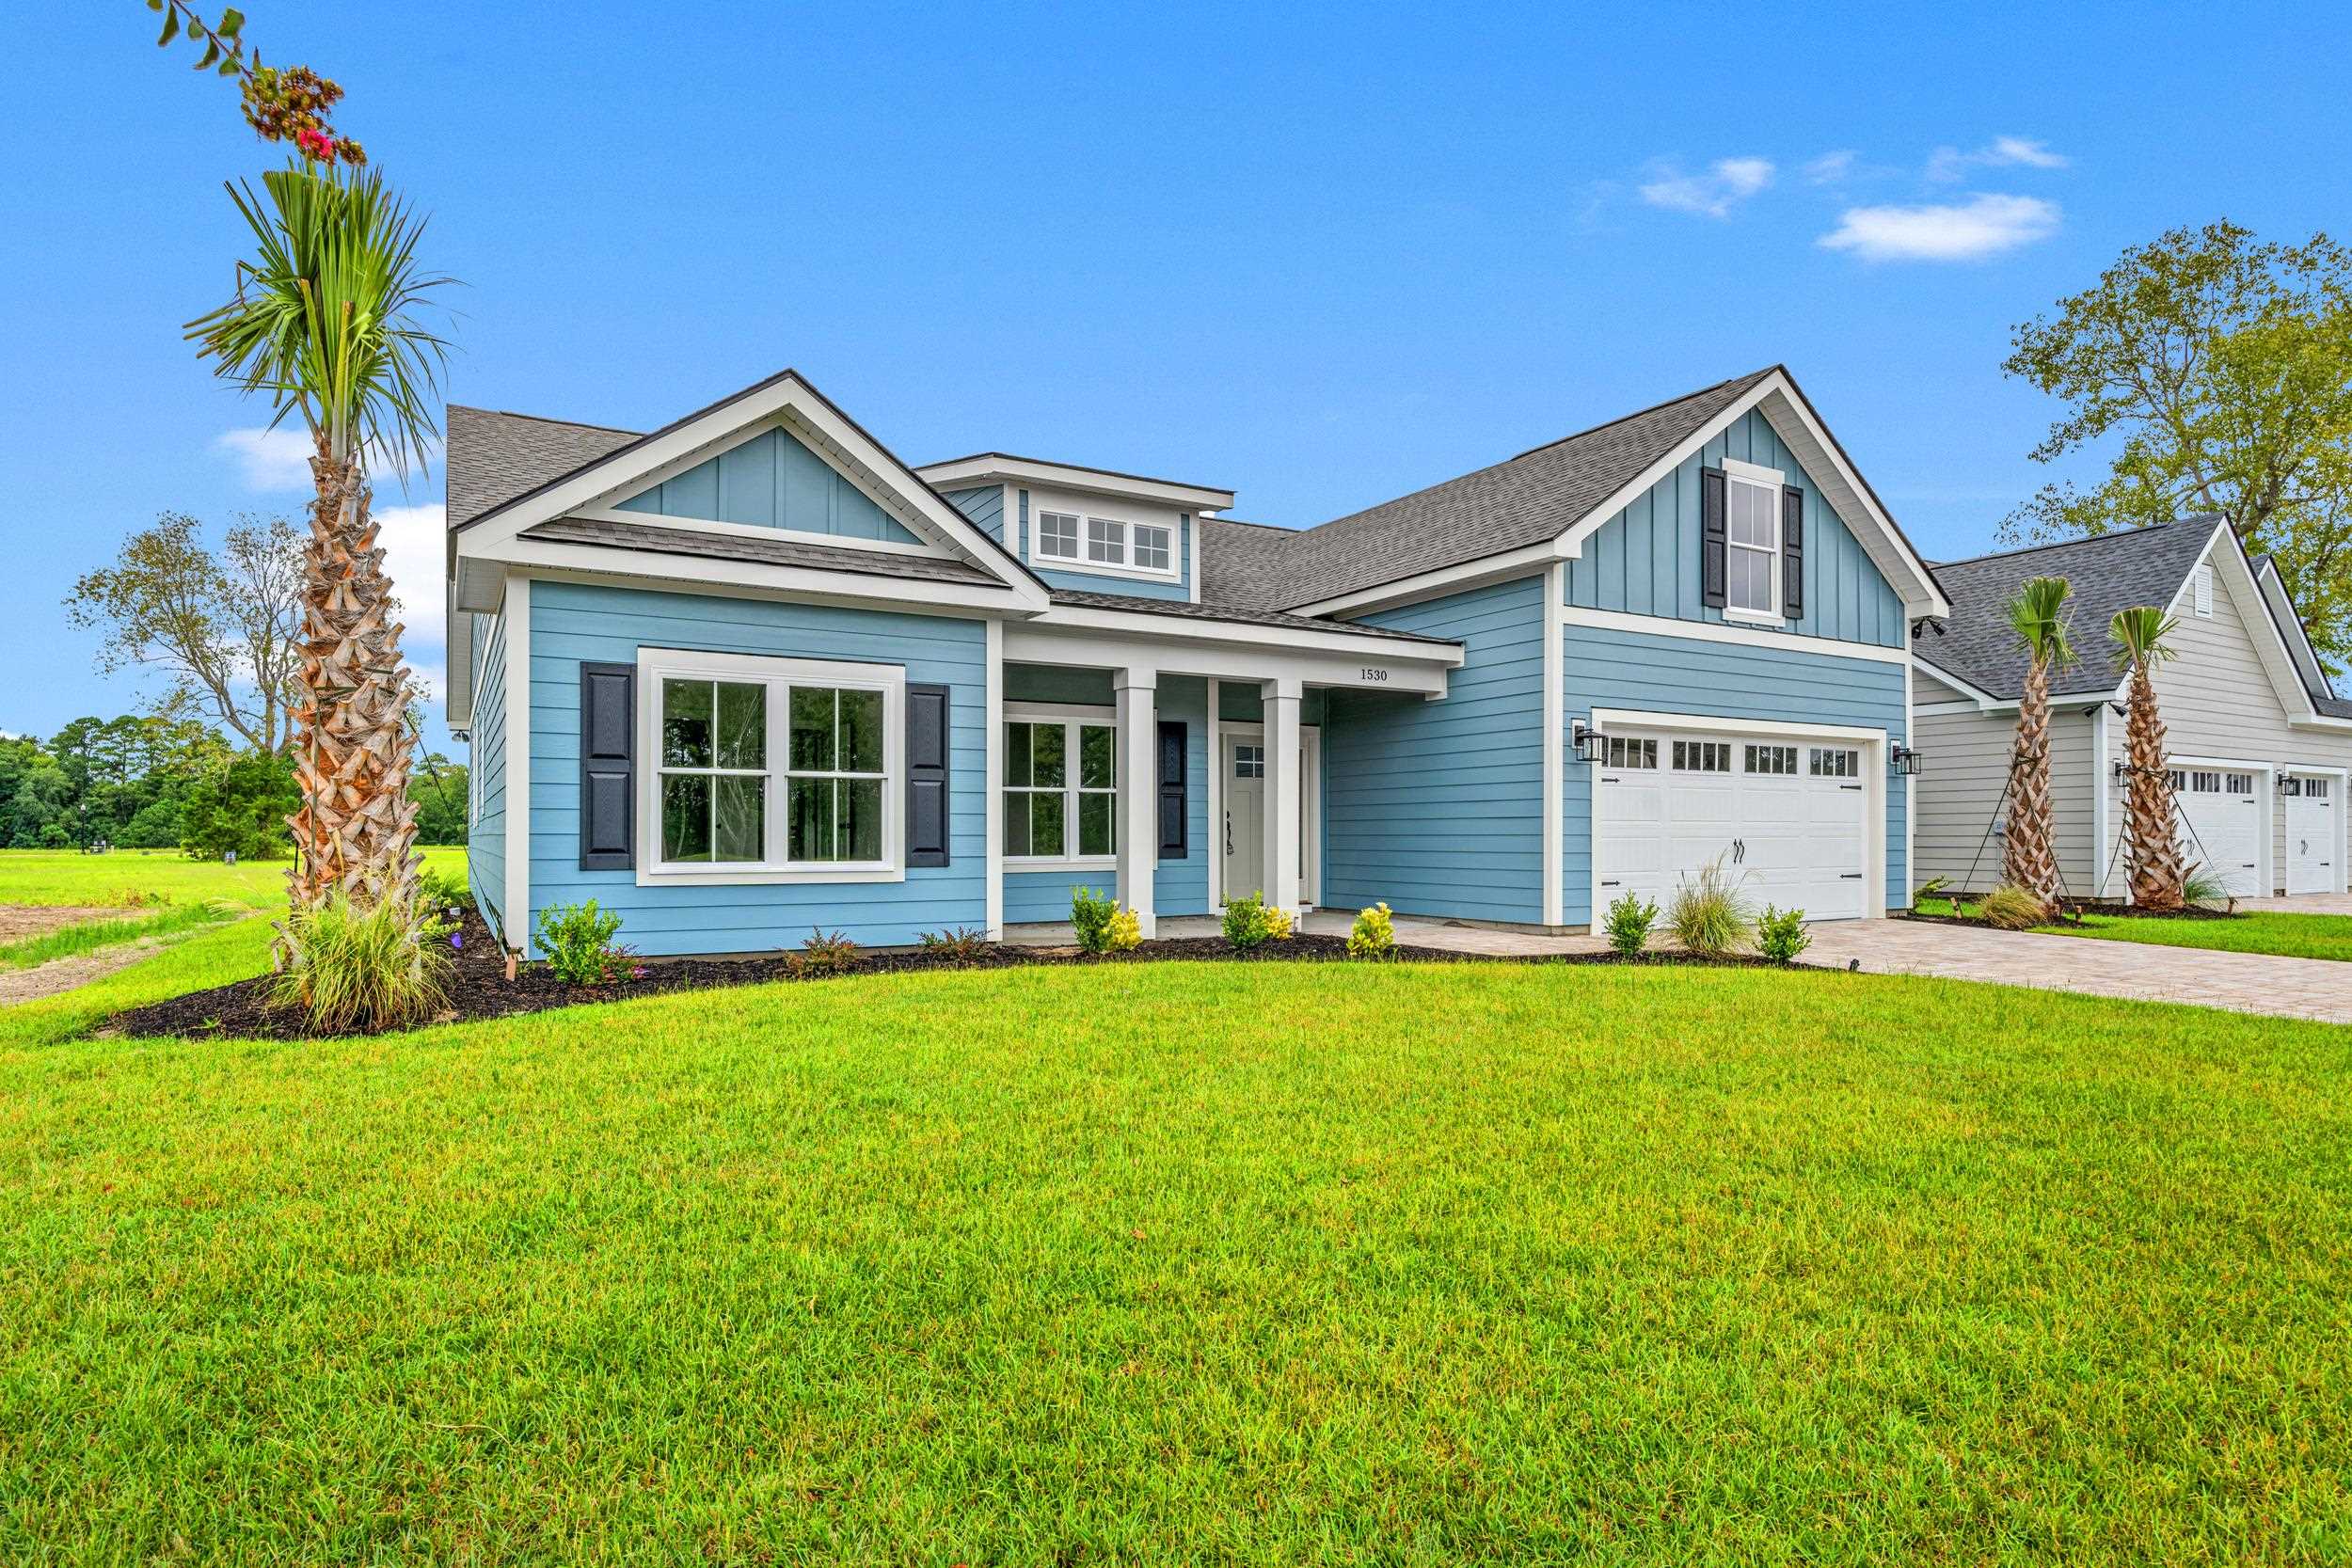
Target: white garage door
2312, 804
2221, 825
1790, 818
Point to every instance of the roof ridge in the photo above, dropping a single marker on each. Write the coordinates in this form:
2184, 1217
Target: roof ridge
1663, 402
2063, 544
542, 419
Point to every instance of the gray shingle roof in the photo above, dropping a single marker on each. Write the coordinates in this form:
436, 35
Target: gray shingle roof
1531, 498
496, 456
1236, 614
766, 552
2107, 572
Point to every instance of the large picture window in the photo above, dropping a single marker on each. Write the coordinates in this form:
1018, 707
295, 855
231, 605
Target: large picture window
778, 768
1061, 787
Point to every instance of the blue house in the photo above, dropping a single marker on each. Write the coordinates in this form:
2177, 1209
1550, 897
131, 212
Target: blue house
750, 674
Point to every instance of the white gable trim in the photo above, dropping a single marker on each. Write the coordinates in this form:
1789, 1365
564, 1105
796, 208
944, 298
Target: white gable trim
1793, 421
2282, 610
784, 399
967, 472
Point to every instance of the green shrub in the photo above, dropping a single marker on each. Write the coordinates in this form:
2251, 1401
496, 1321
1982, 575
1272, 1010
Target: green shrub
2203, 889
960, 944
1780, 934
1251, 923
1373, 935
823, 953
2011, 907
443, 890
1125, 933
1090, 915
578, 939
349, 970
1708, 914
1629, 922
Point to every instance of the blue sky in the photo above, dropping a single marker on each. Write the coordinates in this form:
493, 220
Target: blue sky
1321, 256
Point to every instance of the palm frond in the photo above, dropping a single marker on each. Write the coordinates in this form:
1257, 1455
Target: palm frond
2141, 635
328, 317
2038, 616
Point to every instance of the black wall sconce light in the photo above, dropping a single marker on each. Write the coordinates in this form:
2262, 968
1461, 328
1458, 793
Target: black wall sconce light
1589, 743
1901, 760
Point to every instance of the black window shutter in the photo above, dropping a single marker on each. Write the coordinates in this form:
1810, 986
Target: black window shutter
1792, 552
1173, 845
927, 775
608, 771
1712, 538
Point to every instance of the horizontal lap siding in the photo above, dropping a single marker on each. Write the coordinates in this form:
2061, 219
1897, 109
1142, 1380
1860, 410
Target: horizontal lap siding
1645, 561
486, 840
1177, 887
571, 623
1963, 773
1664, 674
1436, 807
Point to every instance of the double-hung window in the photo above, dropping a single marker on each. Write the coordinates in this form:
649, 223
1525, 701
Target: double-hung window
1752, 542
770, 768
1061, 786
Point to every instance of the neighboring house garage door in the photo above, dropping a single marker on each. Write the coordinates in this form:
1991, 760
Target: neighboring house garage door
2314, 823
2221, 825
1790, 818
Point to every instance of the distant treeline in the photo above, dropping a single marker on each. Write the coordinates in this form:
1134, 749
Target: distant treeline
144, 783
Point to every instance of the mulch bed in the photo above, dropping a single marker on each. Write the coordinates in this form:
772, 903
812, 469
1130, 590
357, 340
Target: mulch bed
479, 989
2072, 913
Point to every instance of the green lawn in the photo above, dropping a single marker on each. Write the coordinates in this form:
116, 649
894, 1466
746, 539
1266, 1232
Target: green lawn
1179, 1262
2294, 936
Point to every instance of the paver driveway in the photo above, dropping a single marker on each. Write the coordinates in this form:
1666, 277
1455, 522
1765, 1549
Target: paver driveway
2243, 982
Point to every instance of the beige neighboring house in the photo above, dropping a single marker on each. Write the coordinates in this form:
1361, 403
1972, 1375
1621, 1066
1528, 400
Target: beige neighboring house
2261, 745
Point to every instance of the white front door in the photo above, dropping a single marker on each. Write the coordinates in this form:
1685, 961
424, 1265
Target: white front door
1243, 828
2221, 825
2315, 805
1788, 819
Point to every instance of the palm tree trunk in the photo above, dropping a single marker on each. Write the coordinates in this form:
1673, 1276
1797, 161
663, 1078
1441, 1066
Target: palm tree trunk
2152, 848
2029, 859
356, 829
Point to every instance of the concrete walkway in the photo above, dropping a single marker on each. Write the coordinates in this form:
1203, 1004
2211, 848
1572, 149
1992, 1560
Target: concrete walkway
2241, 982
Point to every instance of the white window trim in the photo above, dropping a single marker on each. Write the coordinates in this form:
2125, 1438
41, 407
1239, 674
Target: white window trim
1773, 481
1069, 716
654, 665
1123, 565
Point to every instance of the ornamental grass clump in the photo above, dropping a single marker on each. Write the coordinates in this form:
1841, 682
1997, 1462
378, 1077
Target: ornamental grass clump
1628, 923
348, 967
1708, 914
1373, 935
1780, 934
2011, 907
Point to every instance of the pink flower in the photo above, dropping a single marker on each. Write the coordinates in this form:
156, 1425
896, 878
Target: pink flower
315, 144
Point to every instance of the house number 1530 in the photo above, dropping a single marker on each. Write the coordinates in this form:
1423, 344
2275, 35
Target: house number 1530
1373, 674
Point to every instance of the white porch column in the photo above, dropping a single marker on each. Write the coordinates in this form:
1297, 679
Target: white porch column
1282, 792
1136, 832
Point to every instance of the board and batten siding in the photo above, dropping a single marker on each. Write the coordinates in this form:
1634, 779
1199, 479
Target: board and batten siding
1661, 673
485, 835
1436, 807
1178, 886
1105, 582
1964, 772
771, 481
1645, 561
2218, 702
573, 623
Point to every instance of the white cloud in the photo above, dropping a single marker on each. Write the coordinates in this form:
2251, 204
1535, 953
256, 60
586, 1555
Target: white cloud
413, 540
1980, 226
1829, 168
271, 459
1726, 182
1951, 163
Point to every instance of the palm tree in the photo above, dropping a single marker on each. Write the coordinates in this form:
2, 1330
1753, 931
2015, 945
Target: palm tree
325, 323
2152, 851
2028, 855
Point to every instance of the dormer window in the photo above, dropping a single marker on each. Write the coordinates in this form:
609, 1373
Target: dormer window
1153, 553
1057, 534
1106, 541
